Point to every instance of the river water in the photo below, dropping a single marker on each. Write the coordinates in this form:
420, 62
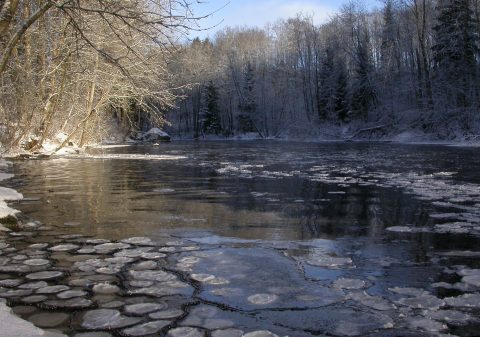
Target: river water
298, 239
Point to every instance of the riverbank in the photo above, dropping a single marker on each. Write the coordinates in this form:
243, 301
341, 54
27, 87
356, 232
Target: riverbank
7, 214
408, 138
12, 325
49, 149
410, 128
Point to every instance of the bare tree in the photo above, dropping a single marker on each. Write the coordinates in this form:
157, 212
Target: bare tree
105, 62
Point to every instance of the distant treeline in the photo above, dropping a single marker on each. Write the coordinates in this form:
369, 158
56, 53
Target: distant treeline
413, 64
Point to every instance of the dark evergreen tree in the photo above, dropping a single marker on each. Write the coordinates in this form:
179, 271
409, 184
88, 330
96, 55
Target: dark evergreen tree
211, 122
327, 84
389, 48
248, 106
455, 51
341, 92
363, 93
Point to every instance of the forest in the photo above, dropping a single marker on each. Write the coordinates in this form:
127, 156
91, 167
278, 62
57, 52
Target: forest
89, 71
81, 72
323, 178
409, 67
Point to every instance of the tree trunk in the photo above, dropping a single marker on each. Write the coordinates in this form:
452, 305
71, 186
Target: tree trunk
7, 13
19, 34
91, 97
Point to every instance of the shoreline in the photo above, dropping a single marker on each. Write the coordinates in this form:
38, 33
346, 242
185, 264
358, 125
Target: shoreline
13, 325
7, 214
75, 152
315, 141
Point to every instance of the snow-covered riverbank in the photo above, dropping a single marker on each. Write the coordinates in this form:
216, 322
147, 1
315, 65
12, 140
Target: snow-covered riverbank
11, 325
350, 133
49, 148
407, 138
7, 194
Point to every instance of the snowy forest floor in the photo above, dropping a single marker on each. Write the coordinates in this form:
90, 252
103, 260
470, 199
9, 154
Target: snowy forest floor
367, 134
413, 127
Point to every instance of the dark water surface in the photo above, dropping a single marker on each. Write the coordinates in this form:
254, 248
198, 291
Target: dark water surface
254, 190
301, 239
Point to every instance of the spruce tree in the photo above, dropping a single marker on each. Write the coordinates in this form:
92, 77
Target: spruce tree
327, 84
389, 47
363, 93
211, 123
341, 92
455, 51
248, 106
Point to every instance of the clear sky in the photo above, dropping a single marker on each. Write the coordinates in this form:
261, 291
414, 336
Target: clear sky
259, 12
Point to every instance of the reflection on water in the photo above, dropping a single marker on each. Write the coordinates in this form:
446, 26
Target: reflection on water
259, 190
121, 197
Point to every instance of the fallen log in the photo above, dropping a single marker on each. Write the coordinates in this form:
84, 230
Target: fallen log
373, 128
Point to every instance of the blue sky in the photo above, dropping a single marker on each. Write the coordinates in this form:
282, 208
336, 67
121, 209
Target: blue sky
260, 12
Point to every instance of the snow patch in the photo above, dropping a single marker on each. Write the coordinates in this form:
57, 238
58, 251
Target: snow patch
7, 194
128, 157
15, 326
407, 229
464, 301
5, 176
151, 136
157, 131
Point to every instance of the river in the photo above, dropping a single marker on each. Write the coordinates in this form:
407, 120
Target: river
251, 238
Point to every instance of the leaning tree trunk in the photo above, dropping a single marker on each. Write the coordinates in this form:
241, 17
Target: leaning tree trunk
7, 13
19, 33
